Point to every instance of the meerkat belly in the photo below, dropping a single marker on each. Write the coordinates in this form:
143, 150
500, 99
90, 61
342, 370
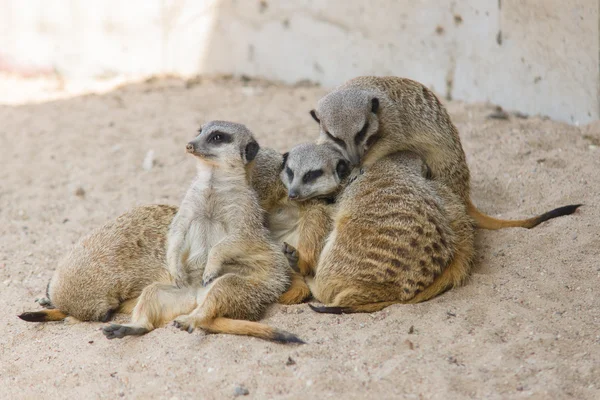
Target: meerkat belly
202, 237
284, 224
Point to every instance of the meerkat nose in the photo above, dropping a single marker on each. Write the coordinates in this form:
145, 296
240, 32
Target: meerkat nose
293, 195
189, 147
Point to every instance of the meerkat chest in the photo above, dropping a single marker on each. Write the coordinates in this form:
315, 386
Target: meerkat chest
284, 222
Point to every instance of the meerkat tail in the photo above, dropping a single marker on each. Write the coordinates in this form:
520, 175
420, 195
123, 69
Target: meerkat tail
363, 308
249, 328
486, 222
43, 316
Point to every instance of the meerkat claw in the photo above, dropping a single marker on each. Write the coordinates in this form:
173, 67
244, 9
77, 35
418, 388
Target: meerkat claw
292, 256
183, 326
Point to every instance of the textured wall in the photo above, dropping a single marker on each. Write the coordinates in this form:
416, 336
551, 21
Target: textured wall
535, 56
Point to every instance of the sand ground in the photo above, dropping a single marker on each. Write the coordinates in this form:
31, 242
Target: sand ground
527, 325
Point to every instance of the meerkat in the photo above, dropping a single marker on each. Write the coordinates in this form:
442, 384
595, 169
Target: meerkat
106, 270
300, 221
369, 117
395, 232
218, 238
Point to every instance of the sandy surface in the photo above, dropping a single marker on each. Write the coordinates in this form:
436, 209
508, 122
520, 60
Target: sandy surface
526, 326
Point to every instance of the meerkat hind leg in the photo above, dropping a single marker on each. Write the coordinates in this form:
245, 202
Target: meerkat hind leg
158, 304
297, 293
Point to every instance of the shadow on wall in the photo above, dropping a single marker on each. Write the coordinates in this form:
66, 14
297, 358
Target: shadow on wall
519, 55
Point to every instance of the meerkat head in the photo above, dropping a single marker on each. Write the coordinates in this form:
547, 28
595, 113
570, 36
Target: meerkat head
348, 118
313, 170
224, 144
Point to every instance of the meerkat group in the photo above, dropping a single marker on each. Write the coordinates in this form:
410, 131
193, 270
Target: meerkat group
376, 212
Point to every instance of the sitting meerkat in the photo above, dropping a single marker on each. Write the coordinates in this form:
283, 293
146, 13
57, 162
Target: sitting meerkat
106, 271
368, 118
308, 171
395, 232
218, 238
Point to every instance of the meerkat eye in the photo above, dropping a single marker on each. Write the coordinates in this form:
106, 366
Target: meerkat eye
360, 136
338, 141
289, 173
312, 175
219, 137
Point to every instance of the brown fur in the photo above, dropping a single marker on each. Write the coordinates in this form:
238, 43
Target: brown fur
411, 117
107, 270
396, 239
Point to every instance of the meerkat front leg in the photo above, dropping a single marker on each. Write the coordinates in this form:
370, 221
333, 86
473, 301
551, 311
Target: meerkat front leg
291, 253
227, 248
176, 242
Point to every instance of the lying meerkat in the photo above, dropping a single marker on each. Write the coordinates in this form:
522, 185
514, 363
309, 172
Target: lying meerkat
218, 237
106, 271
369, 117
395, 233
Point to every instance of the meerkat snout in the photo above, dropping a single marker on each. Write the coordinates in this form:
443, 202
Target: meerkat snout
190, 147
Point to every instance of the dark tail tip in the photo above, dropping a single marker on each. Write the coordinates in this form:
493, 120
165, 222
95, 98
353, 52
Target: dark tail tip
329, 310
286, 337
35, 316
557, 212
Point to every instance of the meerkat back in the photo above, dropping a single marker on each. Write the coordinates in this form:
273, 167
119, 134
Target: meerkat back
109, 266
391, 238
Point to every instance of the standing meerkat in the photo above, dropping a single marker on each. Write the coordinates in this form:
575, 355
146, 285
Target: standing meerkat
106, 271
369, 117
218, 238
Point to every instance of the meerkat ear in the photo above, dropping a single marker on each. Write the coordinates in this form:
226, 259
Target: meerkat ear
342, 169
374, 105
251, 151
313, 114
284, 161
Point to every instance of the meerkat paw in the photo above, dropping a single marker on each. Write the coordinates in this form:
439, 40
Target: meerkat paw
184, 323
208, 277
44, 302
292, 255
355, 174
116, 331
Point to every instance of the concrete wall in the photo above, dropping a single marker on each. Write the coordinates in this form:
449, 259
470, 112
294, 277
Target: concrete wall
535, 56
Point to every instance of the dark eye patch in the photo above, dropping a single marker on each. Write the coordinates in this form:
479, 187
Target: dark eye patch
289, 173
218, 137
360, 136
338, 141
312, 175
